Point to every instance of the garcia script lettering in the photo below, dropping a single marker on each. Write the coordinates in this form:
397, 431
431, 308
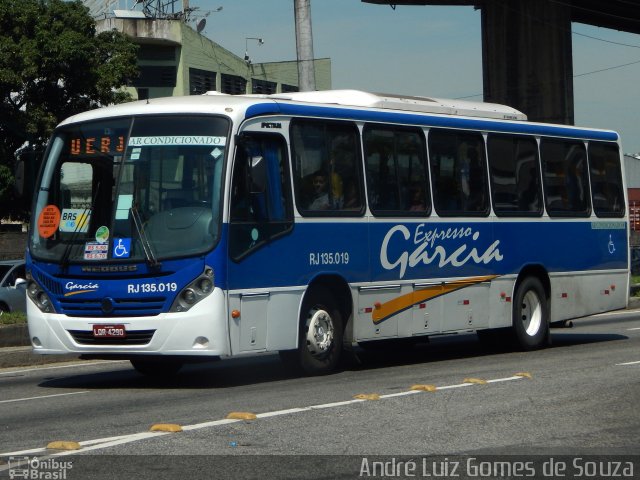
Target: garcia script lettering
429, 247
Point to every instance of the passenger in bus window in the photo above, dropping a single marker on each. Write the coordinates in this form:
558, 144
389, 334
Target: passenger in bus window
475, 196
529, 198
417, 200
337, 198
320, 200
351, 198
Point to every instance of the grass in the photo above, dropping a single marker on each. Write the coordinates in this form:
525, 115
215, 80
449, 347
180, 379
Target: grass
12, 318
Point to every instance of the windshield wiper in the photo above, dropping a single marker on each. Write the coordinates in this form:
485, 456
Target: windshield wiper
152, 261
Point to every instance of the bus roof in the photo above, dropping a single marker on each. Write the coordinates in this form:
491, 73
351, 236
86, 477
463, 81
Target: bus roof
354, 104
352, 98
357, 98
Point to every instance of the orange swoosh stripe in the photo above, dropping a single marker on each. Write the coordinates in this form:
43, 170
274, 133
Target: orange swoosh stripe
79, 291
399, 304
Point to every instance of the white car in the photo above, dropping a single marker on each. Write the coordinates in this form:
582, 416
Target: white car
13, 286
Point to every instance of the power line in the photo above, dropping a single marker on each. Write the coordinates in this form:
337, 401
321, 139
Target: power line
575, 76
606, 69
590, 10
605, 41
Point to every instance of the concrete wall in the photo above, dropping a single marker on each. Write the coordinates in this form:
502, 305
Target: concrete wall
12, 245
527, 60
194, 50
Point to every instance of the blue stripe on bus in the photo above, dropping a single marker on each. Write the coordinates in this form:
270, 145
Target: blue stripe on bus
389, 252
506, 126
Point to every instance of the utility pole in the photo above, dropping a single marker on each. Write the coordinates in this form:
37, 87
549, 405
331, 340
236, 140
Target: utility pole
304, 45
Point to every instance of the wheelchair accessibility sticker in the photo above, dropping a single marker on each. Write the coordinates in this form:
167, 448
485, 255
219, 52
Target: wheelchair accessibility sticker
611, 246
121, 247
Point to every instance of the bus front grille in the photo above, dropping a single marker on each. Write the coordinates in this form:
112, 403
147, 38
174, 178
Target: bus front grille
135, 337
118, 307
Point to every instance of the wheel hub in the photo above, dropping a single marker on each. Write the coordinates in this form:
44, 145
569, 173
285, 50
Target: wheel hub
320, 332
531, 313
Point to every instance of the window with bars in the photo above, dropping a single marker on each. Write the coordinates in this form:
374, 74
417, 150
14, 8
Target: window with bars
233, 85
156, 52
156, 76
201, 81
263, 87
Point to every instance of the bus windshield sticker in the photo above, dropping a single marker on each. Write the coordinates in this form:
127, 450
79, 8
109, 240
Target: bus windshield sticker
48, 221
75, 220
102, 234
608, 225
121, 247
124, 205
96, 251
216, 153
178, 140
135, 153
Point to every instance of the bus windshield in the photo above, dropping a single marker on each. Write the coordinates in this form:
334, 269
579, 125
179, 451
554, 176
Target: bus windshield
131, 189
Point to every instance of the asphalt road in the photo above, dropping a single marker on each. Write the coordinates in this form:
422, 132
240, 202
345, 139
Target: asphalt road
579, 397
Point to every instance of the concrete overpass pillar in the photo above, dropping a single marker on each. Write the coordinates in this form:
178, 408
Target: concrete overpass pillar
527, 58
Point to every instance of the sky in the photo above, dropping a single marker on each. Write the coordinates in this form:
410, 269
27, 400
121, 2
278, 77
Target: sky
432, 51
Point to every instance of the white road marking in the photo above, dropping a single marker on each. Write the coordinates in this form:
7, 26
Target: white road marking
83, 364
630, 329
41, 396
627, 363
101, 443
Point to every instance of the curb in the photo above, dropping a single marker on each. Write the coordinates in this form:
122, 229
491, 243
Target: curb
14, 335
16, 351
24, 357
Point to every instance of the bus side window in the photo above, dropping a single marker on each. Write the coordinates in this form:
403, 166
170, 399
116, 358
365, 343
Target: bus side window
458, 173
606, 179
397, 175
515, 175
565, 177
327, 168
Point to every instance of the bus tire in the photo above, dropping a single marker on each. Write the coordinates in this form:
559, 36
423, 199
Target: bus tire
321, 332
530, 315
156, 368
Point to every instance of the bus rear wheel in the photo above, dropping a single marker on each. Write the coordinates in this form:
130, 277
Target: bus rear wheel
156, 368
320, 337
531, 315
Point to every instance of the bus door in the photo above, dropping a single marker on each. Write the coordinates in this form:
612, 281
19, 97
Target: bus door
260, 215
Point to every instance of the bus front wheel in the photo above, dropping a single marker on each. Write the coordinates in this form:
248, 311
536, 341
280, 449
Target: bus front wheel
320, 337
531, 315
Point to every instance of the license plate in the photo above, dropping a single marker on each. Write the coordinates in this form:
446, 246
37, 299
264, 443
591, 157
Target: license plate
109, 331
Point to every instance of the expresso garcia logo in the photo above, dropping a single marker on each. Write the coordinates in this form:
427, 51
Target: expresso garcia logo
442, 247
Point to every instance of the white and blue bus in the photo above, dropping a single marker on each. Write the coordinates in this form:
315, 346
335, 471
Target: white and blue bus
173, 230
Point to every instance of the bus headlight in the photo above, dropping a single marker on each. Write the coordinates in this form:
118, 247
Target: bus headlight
39, 297
205, 285
189, 296
194, 292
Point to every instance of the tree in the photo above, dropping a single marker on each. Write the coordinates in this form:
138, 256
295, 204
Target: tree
52, 65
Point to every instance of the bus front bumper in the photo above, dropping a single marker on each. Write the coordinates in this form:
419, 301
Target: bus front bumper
200, 331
